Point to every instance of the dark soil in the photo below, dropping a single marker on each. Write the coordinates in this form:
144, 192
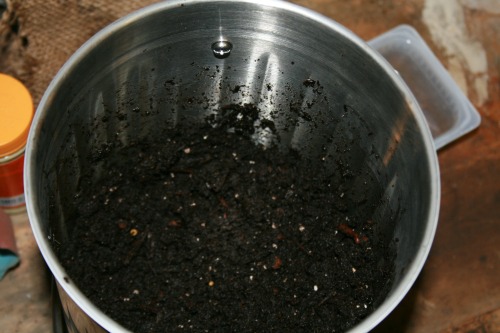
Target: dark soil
205, 231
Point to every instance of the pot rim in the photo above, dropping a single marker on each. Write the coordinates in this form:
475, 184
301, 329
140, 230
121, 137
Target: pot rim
43, 241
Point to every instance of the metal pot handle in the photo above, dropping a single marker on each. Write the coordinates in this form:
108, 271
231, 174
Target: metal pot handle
447, 110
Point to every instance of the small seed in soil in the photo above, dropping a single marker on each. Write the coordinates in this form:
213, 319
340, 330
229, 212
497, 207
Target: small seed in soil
133, 232
173, 223
277, 263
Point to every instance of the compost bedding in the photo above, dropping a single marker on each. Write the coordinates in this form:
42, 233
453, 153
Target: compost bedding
204, 230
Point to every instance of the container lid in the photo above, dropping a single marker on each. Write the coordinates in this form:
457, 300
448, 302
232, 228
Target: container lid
16, 113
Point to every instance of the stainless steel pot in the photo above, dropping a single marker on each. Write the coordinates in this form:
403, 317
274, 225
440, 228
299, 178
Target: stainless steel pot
198, 54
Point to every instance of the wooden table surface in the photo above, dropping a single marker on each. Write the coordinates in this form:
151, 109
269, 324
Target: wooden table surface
459, 287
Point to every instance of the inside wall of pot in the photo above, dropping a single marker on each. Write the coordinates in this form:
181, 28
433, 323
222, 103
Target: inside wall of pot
323, 93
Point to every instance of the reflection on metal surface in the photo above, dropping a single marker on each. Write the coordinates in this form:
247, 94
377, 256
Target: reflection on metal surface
397, 132
76, 320
222, 47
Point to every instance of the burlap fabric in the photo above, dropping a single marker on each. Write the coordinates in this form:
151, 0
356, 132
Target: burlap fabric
38, 36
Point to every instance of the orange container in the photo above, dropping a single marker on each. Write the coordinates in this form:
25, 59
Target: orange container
16, 113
